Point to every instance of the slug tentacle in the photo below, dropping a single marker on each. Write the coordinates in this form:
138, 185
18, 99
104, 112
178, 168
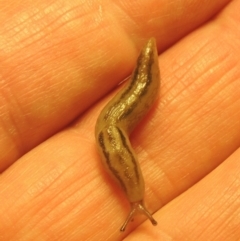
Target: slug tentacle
137, 206
118, 119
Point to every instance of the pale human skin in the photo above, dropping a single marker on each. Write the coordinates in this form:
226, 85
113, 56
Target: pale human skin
60, 62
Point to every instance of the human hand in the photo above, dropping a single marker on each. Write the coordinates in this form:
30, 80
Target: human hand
58, 62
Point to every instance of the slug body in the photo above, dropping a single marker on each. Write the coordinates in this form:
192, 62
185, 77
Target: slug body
118, 119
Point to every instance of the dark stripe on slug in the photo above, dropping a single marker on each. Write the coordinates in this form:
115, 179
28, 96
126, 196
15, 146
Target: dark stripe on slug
108, 161
135, 76
136, 81
124, 143
144, 63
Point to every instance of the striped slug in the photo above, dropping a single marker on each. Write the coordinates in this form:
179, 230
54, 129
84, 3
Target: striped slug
118, 119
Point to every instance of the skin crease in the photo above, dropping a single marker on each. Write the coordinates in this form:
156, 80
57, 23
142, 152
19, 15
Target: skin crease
61, 62
118, 119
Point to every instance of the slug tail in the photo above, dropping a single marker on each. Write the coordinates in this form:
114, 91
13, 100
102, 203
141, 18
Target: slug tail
138, 207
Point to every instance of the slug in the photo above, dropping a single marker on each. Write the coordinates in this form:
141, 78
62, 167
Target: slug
118, 119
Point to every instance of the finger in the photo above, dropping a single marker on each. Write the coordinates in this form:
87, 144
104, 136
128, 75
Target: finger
56, 63
166, 21
60, 185
53, 164
197, 125
207, 211
54, 56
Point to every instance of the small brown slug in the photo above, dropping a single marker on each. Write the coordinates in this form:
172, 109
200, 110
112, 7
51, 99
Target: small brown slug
118, 119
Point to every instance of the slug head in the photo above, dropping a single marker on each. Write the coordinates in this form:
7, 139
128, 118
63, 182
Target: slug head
138, 207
